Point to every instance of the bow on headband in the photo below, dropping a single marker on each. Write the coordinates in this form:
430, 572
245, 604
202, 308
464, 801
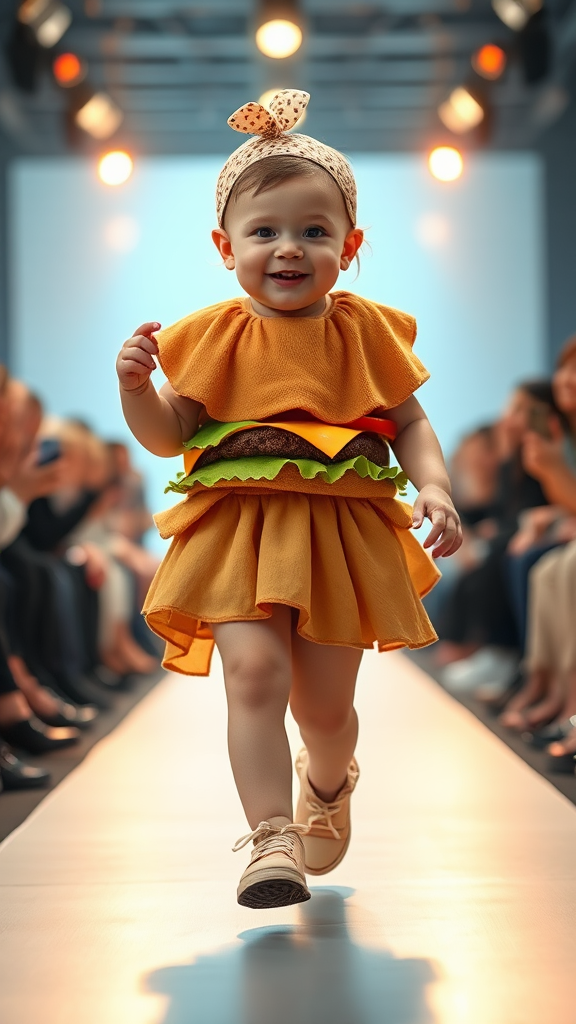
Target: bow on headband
286, 109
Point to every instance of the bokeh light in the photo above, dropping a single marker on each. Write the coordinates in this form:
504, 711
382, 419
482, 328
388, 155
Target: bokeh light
445, 163
69, 70
489, 61
279, 38
461, 111
115, 168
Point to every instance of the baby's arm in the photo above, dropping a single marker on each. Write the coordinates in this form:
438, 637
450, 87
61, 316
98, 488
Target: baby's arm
418, 451
160, 422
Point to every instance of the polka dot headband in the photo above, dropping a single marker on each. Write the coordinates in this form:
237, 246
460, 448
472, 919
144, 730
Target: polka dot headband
270, 128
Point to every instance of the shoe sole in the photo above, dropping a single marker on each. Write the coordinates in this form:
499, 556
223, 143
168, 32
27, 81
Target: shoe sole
333, 864
268, 889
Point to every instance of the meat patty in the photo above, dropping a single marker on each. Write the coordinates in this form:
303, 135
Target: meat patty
278, 443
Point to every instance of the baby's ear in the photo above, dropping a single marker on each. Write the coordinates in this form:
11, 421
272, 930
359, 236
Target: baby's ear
224, 246
352, 243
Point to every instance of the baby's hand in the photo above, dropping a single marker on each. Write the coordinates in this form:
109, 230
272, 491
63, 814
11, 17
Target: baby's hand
435, 504
135, 361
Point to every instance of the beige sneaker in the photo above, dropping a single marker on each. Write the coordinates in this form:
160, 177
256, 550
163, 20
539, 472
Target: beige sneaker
275, 875
328, 835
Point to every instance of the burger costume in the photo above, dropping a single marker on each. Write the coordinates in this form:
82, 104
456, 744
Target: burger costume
289, 495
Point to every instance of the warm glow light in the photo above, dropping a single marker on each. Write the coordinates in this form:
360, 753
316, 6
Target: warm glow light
266, 99
115, 168
516, 13
445, 163
461, 112
68, 70
489, 61
48, 19
100, 116
279, 38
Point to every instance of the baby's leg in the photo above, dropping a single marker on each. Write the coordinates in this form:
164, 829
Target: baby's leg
258, 675
322, 702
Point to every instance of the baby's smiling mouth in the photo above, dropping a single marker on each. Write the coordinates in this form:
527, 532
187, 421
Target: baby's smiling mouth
288, 275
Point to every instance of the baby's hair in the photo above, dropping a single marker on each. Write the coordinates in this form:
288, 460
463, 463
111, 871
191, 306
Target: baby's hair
272, 171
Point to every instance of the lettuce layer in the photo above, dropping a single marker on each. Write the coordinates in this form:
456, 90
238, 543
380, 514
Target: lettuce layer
211, 434
264, 467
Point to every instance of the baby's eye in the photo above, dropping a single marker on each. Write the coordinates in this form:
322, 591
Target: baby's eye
314, 233
264, 232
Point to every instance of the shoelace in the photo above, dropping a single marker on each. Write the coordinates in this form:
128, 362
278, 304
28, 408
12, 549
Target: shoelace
281, 837
322, 813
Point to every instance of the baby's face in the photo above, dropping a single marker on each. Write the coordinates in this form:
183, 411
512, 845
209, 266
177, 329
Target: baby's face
289, 244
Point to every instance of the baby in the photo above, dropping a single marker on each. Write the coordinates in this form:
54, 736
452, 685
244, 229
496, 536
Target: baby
291, 550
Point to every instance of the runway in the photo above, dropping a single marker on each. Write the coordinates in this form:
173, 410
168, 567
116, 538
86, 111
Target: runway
455, 905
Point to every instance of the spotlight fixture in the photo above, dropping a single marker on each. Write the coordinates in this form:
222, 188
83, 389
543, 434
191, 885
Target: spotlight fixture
516, 13
445, 163
48, 19
69, 70
461, 111
279, 28
267, 97
489, 61
115, 168
100, 117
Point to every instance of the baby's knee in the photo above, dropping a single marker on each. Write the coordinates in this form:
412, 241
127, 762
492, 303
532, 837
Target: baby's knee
322, 721
257, 680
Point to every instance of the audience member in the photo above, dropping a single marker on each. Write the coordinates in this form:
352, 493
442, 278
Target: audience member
56, 477
477, 625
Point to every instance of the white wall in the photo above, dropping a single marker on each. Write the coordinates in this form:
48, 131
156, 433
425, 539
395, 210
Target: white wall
90, 263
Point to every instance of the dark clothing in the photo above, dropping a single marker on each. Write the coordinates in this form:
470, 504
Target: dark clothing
46, 529
479, 607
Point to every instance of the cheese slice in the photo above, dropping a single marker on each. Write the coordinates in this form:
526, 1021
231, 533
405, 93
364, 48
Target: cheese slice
324, 436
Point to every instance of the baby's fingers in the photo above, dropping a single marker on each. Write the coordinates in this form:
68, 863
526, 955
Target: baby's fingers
451, 538
438, 520
138, 357
147, 329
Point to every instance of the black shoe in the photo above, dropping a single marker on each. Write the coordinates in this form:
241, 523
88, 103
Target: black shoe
16, 774
35, 737
81, 690
80, 715
562, 764
541, 738
108, 679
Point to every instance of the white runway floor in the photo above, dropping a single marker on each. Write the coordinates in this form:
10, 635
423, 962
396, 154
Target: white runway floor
455, 905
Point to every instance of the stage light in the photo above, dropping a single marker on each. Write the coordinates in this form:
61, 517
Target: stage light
99, 116
278, 38
267, 97
461, 111
69, 70
489, 61
516, 13
278, 28
115, 168
48, 19
445, 163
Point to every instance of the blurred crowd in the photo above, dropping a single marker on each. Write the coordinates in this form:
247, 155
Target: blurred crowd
73, 574
505, 611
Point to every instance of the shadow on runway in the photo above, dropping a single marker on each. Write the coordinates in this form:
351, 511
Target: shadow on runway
309, 973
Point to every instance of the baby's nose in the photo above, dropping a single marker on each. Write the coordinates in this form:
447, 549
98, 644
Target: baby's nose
289, 250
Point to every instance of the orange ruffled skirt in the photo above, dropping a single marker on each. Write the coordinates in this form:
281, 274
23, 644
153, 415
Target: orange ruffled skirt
341, 554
